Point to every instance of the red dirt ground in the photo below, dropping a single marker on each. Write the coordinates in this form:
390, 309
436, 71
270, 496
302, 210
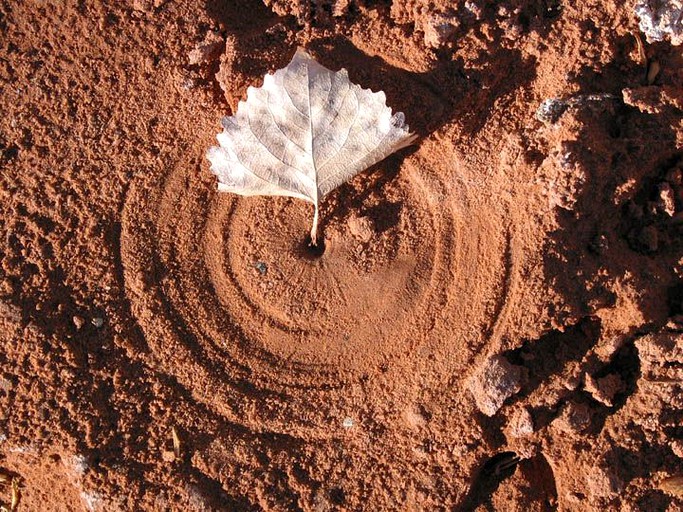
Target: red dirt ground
495, 323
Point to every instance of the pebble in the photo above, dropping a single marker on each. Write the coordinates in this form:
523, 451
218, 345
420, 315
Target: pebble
473, 8
494, 382
521, 424
666, 199
78, 463
361, 228
208, 50
78, 321
550, 110
5, 384
143, 5
677, 448
439, 29
574, 417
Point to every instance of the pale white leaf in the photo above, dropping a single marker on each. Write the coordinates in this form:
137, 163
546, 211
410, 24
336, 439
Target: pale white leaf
303, 133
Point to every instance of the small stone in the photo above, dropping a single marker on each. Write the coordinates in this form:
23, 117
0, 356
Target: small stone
92, 500
473, 8
414, 417
511, 29
97, 322
675, 323
78, 464
143, 5
78, 321
208, 50
604, 389
572, 379
573, 417
5, 384
188, 83
321, 501
521, 424
361, 228
661, 355
340, 7
439, 29
348, 423
550, 110
149, 63
494, 382
261, 267
677, 448
666, 201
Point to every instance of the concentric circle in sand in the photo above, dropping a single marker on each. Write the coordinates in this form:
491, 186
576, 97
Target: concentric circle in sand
229, 297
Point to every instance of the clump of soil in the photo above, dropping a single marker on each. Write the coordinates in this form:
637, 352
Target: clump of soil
496, 320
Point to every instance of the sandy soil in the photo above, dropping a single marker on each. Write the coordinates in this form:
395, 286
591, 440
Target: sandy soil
495, 324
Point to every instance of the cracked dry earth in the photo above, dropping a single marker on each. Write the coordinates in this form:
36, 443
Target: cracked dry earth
496, 322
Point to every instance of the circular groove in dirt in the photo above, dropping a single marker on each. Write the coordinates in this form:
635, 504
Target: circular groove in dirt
317, 313
225, 299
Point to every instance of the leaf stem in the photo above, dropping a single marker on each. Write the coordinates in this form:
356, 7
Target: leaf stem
314, 229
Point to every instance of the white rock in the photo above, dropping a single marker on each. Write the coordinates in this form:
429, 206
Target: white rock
661, 19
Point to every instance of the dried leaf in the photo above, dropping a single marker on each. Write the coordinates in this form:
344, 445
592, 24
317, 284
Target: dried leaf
640, 49
652, 71
303, 133
176, 442
16, 495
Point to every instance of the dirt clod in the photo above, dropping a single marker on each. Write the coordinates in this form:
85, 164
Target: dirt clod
496, 381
